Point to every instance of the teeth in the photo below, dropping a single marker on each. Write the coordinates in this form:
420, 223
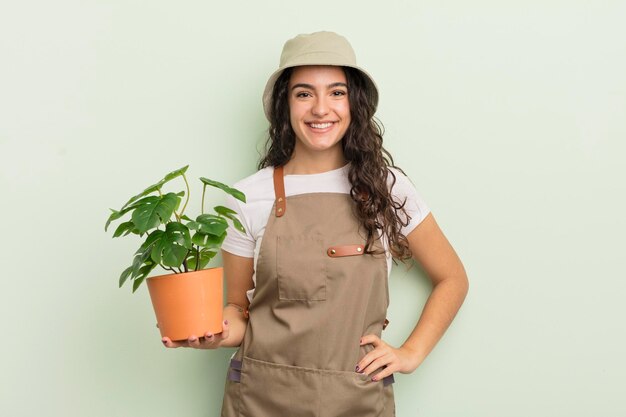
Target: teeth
320, 125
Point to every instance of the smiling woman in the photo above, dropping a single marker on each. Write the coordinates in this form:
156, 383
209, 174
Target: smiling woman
308, 279
319, 112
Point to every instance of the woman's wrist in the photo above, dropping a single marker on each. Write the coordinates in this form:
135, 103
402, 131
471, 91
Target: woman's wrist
414, 356
237, 324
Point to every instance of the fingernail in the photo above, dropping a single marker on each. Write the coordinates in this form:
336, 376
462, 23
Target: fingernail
193, 339
360, 341
357, 368
225, 321
164, 342
374, 378
210, 335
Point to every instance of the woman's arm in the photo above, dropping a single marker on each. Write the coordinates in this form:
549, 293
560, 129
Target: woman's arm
431, 249
238, 271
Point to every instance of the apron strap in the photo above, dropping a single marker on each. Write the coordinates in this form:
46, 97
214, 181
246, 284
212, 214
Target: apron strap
388, 380
279, 191
234, 371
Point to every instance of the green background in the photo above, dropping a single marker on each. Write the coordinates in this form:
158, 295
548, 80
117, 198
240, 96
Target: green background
509, 117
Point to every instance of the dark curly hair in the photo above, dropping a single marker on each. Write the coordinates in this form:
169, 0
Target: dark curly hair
362, 145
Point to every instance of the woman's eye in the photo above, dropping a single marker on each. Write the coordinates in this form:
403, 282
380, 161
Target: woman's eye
339, 93
302, 94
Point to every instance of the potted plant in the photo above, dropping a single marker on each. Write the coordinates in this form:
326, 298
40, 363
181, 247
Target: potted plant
188, 300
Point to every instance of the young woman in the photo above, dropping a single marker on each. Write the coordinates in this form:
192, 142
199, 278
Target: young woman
326, 214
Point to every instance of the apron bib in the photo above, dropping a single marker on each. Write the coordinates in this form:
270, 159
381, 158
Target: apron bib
316, 294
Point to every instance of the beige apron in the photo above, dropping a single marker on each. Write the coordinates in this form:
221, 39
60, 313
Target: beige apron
316, 294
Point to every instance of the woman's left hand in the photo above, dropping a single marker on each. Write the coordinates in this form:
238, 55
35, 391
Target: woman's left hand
403, 359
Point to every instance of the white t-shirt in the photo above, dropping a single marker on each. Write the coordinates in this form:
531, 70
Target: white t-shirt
259, 191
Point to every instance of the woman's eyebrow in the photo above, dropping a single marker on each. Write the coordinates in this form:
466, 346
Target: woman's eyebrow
310, 87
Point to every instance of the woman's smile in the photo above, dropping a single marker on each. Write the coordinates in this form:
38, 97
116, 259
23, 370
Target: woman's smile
319, 107
321, 127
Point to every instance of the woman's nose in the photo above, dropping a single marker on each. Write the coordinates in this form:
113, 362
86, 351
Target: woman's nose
320, 107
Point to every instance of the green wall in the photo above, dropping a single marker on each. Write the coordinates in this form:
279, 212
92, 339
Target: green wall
508, 116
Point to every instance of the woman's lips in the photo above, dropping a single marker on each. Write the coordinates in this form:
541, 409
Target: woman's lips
320, 127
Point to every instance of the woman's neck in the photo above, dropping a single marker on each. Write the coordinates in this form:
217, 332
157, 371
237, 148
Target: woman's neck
304, 164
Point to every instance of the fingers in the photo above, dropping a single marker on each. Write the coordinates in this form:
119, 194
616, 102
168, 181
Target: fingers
382, 374
375, 359
207, 341
371, 339
225, 330
213, 341
170, 344
381, 356
404, 359
383, 361
193, 341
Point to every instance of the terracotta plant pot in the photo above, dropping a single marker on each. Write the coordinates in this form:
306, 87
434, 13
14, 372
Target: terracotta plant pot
188, 303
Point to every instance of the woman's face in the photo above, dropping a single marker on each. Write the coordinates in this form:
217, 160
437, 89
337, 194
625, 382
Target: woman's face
318, 106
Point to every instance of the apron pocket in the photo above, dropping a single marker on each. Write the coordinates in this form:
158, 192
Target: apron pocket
350, 394
272, 389
301, 268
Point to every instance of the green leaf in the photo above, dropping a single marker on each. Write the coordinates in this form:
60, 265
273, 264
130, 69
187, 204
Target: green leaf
158, 185
208, 241
136, 284
205, 256
144, 271
238, 225
178, 201
154, 210
152, 238
193, 225
211, 224
139, 260
224, 211
232, 191
142, 264
125, 275
232, 215
124, 228
116, 215
185, 217
173, 246
174, 174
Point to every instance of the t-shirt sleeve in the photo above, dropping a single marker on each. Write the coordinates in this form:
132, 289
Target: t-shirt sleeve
236, 242
415, 206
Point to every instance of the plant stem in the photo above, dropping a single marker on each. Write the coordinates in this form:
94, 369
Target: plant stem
167, 268
187, 200
203, 191
198, 258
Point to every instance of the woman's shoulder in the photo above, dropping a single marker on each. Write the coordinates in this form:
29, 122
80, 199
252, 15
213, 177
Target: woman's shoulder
256, 177
404, 191
257, 184
402, 186
397, 180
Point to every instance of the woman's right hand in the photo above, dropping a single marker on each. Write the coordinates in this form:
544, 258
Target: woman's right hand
208, 341
238, 271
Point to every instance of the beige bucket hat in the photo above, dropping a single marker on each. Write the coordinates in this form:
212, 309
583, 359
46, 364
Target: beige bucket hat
318, 48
